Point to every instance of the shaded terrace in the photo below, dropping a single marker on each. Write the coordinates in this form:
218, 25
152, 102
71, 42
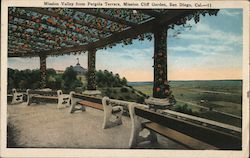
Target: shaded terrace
43, 32
53, 128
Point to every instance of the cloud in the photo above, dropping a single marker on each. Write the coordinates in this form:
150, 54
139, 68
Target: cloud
202, 49
127, 53
203, 32
231, 13
127, 57
205, 62
23, 63
120, 61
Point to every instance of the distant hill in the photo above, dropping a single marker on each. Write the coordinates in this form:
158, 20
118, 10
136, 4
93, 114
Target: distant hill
195, 83
140, 83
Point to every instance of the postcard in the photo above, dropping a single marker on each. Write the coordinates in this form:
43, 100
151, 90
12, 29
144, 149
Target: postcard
124, 78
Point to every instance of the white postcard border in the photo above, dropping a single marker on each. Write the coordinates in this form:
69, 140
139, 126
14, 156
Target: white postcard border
38, 152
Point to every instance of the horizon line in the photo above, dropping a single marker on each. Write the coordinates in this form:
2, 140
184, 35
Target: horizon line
197, 80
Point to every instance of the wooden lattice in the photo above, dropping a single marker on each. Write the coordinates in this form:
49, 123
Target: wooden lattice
58, 31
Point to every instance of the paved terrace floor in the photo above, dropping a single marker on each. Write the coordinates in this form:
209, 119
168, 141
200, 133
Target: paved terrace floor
46, 126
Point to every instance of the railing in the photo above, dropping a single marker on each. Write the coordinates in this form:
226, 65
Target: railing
218, 134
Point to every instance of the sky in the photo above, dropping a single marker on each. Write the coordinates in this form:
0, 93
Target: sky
209, 50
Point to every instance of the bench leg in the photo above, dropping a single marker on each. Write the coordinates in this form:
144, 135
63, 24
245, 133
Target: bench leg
112, 115
112, 119
28, 100
138, 133
73, 102
67, 102
63, 102
17, 98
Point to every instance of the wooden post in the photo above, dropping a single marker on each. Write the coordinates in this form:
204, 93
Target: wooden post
91, 70
43, 71
161, 87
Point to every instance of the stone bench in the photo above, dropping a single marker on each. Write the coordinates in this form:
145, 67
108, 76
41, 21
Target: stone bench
35, 96
84, 100
182, 129
112, 109
17, 97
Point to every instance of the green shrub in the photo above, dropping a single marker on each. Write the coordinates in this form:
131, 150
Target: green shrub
108, 79
124, 90
140, 100
108, 90
127, 97
184, 109
120, 98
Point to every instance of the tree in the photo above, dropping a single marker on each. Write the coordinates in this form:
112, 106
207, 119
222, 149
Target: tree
108, 79
124, 81
70, 80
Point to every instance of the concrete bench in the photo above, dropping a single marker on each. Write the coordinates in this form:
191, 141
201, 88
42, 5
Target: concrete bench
111, 117
35, 96
17, 97
83, 101
112, 112
182, 129
63, 99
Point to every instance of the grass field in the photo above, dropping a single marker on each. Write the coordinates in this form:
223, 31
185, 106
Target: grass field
222, 97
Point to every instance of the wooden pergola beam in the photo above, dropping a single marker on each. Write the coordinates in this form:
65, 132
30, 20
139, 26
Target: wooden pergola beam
107, 17
28, 54
165, 19
13, 50
150, 12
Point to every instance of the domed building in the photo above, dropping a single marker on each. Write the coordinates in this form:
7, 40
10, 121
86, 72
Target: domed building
79, 69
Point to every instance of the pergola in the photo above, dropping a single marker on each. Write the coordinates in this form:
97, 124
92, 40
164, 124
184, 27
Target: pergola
43, 32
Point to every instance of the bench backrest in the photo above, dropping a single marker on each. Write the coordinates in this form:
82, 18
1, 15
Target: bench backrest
87, 98
40, 92
115, 102
16, 91
213, 136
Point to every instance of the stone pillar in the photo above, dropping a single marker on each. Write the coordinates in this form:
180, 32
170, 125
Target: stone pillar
161, 93
161, 87
43, 71
91, 85
91, 70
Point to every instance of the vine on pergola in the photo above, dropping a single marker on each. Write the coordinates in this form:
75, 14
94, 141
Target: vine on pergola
33, 31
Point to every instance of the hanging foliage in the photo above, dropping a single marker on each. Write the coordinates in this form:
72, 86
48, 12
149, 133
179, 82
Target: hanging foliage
67, 27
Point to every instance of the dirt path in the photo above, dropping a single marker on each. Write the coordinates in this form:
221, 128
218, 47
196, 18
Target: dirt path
46, 126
